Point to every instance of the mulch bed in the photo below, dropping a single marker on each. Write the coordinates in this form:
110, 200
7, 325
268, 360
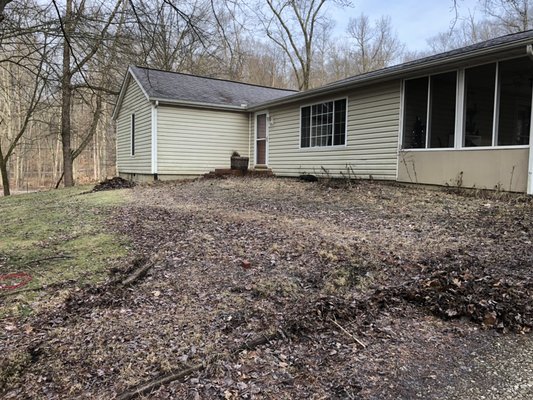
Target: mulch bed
113, 184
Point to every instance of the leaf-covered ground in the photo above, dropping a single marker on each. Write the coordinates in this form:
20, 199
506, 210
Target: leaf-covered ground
365, 291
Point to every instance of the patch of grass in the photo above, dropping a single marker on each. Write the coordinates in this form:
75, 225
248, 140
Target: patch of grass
57, 236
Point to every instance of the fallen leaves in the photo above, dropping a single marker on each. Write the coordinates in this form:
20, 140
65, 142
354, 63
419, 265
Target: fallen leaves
343, 278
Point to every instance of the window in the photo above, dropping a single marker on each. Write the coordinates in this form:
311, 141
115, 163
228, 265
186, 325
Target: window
435, 94
494, 110
323, 124
132, 132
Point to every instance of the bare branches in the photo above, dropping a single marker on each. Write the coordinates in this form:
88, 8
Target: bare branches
511, 15
292, 26
3, 4
376, 45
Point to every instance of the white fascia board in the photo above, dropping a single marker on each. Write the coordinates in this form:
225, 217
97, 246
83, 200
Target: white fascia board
130, 71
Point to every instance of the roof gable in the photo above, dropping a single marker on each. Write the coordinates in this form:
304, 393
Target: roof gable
178, 87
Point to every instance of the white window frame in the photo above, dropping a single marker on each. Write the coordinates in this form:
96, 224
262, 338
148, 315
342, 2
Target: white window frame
332, 146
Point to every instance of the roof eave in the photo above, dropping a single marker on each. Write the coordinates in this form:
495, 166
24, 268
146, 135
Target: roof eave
196, 104
392, 75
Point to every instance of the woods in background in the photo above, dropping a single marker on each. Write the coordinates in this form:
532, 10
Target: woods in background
62, 64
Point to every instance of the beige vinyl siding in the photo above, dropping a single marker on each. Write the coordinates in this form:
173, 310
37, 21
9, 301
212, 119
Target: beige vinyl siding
192, 141
372, 137
496, 168
134, 102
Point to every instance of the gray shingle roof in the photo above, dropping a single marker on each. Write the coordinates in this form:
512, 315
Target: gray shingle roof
173, 86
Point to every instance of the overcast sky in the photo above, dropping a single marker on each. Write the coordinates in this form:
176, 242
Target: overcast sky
414, 20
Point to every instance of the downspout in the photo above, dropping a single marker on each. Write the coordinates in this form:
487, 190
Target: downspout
155, 105
249, 135
529, 52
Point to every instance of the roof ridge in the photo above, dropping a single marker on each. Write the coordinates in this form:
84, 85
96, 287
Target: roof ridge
216, 79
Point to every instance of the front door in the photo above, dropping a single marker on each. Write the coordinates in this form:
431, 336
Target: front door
261, 139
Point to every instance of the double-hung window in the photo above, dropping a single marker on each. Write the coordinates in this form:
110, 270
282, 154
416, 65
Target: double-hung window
323, 124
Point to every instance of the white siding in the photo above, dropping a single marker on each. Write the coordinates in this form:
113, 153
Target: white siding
372, 140
193, 141
134, 102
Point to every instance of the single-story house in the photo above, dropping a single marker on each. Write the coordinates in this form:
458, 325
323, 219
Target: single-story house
460, 118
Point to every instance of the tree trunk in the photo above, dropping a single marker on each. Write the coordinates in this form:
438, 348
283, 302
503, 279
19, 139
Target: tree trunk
5, 178
66, 97
3, 171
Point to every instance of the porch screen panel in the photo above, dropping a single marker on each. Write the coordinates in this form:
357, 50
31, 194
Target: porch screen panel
415, 114
515, 78
442, 119
480, 83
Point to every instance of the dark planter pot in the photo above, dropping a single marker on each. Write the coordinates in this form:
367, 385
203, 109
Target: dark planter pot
240, 163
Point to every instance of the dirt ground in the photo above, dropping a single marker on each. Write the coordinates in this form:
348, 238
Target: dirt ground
280, 289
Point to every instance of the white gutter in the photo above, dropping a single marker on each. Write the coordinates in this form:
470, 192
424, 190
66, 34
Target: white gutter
529, 52
154, 137
200, 104
387, 76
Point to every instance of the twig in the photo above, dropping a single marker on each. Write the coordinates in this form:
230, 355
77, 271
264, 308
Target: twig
348, 333
148, 387
137, 274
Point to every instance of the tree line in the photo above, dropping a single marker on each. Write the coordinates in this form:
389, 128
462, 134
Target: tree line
62, 63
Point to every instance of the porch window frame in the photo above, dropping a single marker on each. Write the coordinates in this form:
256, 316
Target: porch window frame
458, 80
460, 113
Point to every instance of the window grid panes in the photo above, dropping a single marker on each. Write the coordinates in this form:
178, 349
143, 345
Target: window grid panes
323, 124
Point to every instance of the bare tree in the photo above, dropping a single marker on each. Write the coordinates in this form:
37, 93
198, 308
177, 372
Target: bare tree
376, 45
167, 39
292, 25
73, 64
510, 15
23, 90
